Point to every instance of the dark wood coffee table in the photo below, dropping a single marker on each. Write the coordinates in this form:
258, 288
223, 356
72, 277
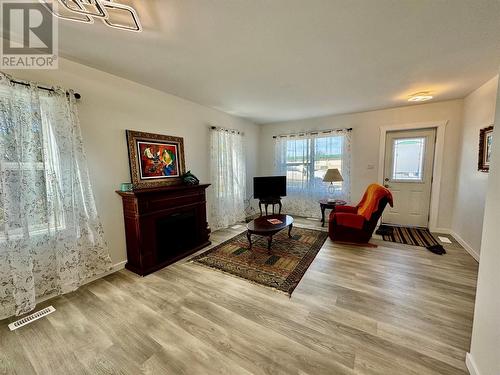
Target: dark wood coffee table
262, 227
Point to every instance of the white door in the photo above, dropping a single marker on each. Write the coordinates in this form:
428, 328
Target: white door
409, 161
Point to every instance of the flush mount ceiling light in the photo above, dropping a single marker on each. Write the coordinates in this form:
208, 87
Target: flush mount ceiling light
420, 97
87, 10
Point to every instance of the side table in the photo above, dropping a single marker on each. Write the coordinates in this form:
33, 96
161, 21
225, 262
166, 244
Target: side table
326, 204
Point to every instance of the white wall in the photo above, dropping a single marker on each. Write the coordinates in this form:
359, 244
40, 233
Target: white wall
365, 144
479, 112
484, 358
109, 106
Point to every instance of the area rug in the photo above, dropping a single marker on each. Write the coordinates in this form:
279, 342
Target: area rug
282, 269
411, 236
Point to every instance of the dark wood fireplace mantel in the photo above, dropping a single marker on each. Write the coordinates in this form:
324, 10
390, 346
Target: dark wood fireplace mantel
163, 225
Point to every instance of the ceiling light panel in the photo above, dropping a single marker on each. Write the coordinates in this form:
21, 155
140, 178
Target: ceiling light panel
420, 97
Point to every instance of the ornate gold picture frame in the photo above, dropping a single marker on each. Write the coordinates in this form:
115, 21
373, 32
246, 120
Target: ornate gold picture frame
485, 144
155, 159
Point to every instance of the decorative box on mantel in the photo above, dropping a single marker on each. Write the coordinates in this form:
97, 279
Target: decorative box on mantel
164, 224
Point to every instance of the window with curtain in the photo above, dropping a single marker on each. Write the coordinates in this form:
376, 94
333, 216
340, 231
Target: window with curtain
51, 239
304, 160
228, 177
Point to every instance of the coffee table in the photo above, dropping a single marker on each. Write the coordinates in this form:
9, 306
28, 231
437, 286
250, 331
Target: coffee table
262, 227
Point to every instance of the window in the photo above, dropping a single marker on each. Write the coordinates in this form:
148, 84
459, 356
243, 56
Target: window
28, 161
408, 159
228, 175
51, 239
308, 159
304, 160
298, 162
327, 154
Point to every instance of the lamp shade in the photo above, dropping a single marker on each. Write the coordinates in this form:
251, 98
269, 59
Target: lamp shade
333, 175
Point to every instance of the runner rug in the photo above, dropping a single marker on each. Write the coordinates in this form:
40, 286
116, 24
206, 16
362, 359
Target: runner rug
411, 236
282, 269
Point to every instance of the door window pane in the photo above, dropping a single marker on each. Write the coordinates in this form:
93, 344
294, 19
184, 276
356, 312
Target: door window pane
408, 160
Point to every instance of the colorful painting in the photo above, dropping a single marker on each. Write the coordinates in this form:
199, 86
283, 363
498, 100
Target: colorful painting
155, 159
485, 145
158, 160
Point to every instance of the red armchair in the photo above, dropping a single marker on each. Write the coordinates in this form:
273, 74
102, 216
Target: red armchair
357, 223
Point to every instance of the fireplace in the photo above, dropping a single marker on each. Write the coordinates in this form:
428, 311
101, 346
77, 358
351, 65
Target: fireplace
163, 225
175, 234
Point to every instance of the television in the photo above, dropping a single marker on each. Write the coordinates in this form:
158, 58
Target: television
269, 187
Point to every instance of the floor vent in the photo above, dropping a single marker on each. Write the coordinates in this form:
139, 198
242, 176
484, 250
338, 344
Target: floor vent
31, 318
444, 239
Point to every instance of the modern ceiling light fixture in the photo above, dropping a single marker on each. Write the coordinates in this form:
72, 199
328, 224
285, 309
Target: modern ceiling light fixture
92, 8
87, 10
420, 97
68, 16
124, 8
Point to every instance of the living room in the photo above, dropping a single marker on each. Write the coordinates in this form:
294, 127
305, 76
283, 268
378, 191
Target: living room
270, 78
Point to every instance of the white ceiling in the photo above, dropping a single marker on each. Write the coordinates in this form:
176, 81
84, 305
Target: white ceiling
274, 60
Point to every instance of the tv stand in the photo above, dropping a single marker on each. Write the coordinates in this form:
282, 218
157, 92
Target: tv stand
269, 201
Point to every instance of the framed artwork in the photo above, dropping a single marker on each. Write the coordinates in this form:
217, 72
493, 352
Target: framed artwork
155, 159
485, 144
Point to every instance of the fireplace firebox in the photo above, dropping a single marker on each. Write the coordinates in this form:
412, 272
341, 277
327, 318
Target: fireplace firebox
163, 225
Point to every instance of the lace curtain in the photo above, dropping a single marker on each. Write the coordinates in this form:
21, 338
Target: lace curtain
228, 177
304, 159
51, 239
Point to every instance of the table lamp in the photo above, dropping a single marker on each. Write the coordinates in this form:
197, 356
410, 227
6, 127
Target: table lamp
332, 175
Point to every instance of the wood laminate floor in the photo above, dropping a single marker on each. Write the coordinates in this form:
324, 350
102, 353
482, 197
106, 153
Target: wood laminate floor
395, 309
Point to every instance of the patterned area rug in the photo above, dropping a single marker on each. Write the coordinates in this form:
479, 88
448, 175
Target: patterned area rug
281, 270
411, 236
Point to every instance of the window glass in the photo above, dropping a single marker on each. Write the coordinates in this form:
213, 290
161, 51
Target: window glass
22, 163
298, 162
327, 155
308, 159
408, 159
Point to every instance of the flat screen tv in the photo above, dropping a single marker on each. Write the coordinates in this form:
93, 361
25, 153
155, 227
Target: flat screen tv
269, 187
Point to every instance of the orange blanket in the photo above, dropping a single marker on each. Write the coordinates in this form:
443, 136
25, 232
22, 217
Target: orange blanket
371, 199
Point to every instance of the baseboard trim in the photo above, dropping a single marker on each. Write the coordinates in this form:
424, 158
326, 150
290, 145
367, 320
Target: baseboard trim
471, 364
114, 268
473, 253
